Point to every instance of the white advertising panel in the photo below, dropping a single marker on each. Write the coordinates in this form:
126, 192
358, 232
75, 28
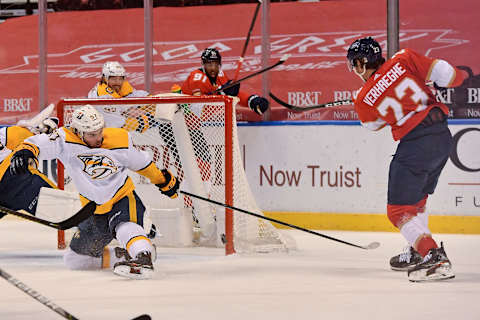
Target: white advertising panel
344, 169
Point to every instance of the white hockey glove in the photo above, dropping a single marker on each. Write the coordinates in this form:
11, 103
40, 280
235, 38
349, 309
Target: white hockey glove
46, 126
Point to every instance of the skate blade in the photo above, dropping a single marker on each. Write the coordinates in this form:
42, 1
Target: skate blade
436, 273
401, 269
136, 273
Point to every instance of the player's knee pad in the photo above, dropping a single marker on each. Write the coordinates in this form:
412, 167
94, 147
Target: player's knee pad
413, 229
398, 214
88, 243
76, 261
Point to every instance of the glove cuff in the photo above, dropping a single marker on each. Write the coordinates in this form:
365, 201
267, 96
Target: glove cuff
169, 182
253, 96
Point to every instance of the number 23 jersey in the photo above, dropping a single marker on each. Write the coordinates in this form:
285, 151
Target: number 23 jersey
397, 93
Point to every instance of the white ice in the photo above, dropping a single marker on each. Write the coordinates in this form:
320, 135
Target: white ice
322, 280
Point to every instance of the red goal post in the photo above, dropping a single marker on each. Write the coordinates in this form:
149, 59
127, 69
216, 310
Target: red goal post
200, 145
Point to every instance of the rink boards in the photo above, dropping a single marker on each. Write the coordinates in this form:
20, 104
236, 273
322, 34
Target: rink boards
333, 175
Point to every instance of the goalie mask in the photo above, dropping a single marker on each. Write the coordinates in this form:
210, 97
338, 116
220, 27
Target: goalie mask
211, 54
113, 69
86, 119
367, 51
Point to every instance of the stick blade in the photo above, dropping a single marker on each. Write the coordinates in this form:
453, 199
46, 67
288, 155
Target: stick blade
373, 245
78, 217
143, 317
285, 57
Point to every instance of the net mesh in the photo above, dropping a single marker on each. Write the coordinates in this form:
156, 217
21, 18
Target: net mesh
189, 140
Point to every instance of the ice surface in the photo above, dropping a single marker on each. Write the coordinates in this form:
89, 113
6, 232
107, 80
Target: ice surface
322, 280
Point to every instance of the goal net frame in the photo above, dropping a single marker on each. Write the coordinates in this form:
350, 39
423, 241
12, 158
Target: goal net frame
228, 103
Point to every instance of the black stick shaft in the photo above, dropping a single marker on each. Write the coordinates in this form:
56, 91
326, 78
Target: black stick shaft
252, 24
233, 83
245, 45
273, 220
297, 108
71, 222
37, 296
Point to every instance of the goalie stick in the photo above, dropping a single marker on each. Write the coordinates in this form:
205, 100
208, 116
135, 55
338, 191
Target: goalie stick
372, 245
297, 108
252, 24
45, 301
71, 222
233, 83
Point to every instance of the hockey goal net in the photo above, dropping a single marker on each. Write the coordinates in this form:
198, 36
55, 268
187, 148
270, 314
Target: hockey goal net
196, 139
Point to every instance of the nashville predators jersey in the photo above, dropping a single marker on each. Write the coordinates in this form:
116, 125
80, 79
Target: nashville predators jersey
10, 138
397, 93
113, 115
99, 174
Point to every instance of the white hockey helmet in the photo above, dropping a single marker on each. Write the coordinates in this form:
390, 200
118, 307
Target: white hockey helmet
86, 119
113, 69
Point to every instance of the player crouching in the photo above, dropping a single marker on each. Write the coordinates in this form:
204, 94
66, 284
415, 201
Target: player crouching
97, 160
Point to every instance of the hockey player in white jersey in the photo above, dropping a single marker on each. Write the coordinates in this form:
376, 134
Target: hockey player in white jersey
113, 84
97, 160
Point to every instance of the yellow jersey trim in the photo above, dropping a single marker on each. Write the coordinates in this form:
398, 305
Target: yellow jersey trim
123, 191
153, 173
15, 136
115, 138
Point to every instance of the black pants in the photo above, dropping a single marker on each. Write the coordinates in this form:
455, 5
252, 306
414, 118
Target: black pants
416, 166
21, 191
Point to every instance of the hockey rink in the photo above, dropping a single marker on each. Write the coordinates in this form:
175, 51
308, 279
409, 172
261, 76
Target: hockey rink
323, 279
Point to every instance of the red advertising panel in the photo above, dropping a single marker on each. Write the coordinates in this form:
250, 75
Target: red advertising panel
316, 35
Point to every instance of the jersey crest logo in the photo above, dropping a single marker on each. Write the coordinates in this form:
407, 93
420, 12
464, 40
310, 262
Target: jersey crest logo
98, 166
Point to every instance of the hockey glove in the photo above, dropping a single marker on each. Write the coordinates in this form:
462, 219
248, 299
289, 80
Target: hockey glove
47, 126
20, 160
170, 186
258, 104
232, 91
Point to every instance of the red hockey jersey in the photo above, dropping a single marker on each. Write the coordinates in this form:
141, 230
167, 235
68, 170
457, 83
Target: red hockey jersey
397, 94
198, 83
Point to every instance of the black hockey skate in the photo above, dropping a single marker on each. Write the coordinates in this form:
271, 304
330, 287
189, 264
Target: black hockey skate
405, 260
139, 268
435, 266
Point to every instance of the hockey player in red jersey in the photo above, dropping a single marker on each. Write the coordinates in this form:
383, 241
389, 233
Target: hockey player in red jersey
210, 77
395, 94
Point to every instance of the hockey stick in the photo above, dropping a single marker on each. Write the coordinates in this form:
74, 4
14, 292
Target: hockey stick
372, 245
45, 301
252, 24
325, 105
37, 296
71, 222
233, 83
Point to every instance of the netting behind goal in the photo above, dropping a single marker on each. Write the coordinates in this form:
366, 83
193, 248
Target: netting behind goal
196, 139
